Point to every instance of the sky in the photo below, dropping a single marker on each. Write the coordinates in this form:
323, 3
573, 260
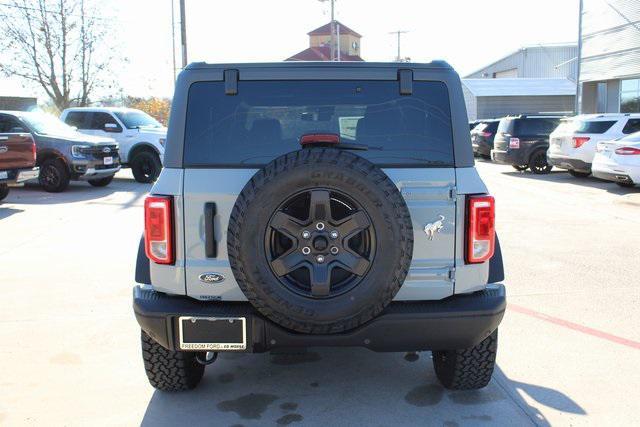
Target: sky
467, 34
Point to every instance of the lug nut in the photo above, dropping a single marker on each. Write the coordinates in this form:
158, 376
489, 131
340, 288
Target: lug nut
334, 250
306, 234
334, 234
320, 226
320, 259
306, 250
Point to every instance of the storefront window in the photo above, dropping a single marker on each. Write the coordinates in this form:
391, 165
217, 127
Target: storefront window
630, 96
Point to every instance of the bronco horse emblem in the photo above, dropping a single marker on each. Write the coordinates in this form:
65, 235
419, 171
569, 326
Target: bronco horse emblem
433, 228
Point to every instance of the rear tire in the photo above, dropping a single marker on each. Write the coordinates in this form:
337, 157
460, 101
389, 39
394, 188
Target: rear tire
4, 191
54, 176
520, 168
102, 182
538, 163
146, 167
467, 369
578, 174
170, 370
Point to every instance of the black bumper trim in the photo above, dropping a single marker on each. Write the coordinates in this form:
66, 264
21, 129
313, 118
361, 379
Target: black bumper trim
567, 163
615, 177
457, 322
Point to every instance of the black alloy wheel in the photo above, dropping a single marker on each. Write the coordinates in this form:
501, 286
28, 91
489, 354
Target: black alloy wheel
320, 243
538, 163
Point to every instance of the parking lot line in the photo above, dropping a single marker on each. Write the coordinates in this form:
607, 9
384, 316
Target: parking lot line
575, 326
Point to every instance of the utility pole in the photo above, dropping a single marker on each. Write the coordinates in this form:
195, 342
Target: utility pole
333, 29
183, 33
398, 32
173, 38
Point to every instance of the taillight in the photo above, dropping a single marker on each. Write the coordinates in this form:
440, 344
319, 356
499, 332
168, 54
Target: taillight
480, 228
486, 134
578, 141
33, 150
628, 151
158, 229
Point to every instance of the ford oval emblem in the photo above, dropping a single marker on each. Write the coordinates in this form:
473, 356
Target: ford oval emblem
211, 278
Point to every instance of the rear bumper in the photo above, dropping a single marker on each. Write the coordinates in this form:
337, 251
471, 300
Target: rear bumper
568, 163
614, 176
457, 322
16, 176
510, 157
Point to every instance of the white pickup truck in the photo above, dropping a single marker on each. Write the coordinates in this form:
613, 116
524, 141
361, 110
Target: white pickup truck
140, 136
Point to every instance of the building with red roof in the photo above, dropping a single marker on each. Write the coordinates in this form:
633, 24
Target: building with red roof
320, 44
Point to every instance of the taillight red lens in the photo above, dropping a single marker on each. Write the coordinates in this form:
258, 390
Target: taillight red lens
158, 229
480, 228
578, 141
33, 151
628, 151
486, 134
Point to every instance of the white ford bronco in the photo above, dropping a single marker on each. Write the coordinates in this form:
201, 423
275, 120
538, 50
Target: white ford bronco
141, 137
319, 204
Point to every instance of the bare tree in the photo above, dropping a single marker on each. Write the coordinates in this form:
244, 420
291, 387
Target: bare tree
54, 44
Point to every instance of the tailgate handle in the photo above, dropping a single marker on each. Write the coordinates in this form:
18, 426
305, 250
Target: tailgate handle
210, 244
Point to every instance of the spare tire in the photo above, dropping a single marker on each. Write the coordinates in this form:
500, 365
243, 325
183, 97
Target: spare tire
320, 240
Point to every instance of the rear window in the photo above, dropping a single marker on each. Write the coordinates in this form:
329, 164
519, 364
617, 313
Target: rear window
581, 126
267, 118
536, 126
486, 127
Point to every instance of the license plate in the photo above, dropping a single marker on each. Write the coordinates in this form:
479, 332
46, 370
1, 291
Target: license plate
108, 160
4, 175
213, 333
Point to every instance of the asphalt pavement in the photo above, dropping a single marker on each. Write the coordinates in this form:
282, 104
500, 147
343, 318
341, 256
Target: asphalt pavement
569, 345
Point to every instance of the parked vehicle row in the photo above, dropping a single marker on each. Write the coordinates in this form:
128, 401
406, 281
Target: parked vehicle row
603, 144
85, 144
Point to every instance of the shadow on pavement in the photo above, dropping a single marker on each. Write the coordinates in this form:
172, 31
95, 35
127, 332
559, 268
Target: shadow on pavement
544, 395
33, 194
7, 212
563, 177
344, 387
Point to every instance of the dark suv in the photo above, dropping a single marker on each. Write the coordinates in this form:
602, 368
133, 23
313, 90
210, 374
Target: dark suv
482, 136
522, 141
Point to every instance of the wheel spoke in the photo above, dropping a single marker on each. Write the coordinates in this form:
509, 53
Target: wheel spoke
320, 284
353, 263
353, 224
286, 224
320, 206
287, 263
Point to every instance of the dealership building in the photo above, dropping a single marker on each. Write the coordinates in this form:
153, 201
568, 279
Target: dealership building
533, 79
609, 60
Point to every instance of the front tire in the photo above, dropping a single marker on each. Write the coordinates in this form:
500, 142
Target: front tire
146, 167
538, 163
4, 191
102, 182
54, 176
467, 369
170, 370
578, 174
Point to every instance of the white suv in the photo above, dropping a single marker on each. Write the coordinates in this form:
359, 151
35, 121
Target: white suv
140, 136
573, 144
